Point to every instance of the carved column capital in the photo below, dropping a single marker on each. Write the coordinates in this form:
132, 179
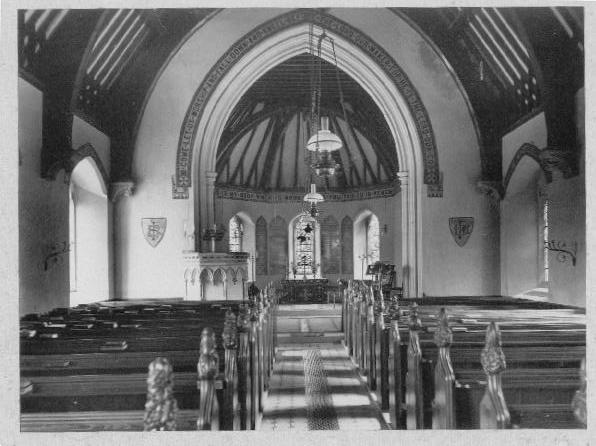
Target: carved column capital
554, 160
121, 189
210, 177
493, 189
403, 178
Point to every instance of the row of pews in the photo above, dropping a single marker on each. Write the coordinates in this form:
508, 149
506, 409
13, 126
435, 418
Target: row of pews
148, 365
469, 363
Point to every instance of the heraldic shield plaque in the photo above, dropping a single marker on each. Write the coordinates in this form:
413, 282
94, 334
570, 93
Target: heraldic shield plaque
461, 229
154, 229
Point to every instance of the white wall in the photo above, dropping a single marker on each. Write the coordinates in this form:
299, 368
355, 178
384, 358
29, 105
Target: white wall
158, 272
92, 242
383, 208
521, 216
43, 215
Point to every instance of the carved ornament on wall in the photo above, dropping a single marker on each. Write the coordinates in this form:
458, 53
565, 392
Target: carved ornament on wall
461, 228
154, 229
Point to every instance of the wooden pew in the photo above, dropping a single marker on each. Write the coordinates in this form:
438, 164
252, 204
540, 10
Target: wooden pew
36, 366
531, 335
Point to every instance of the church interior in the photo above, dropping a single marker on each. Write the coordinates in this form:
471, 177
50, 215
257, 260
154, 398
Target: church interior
301, 219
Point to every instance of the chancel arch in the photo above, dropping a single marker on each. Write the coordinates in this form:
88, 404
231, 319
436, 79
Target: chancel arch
275, 49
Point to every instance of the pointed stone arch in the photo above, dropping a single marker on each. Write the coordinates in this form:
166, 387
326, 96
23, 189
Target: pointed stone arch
358, 56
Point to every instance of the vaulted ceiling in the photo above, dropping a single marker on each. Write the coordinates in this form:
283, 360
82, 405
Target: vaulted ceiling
101, 65
263, 145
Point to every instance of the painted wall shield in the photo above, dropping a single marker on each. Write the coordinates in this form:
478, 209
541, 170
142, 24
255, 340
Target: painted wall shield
154, 229
461, 229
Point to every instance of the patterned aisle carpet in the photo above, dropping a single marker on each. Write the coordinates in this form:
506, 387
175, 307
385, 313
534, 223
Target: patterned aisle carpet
316, 387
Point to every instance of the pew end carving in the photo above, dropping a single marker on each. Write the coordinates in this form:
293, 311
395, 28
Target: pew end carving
444, 377
161, 407
494, 413
579, 404
207, 369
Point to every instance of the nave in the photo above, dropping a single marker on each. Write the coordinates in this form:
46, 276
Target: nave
365, 363
314, 384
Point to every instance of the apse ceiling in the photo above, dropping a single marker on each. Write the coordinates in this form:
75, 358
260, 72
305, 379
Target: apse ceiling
101, 64
263, 144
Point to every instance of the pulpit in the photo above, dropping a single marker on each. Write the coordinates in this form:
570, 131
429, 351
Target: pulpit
216, 275
308, 291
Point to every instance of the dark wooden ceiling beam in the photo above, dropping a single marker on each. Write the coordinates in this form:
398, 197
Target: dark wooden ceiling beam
255, 162
231, 140
240, 166
353, 169
277, 134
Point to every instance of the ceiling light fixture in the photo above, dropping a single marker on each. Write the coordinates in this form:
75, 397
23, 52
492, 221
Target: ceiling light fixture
322, 142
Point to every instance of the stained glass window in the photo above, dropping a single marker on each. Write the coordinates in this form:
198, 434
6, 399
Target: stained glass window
304, 247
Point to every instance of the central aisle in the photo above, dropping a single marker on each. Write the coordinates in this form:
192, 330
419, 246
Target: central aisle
315, 385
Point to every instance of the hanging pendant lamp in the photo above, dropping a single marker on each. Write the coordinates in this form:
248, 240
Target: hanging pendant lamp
324, 140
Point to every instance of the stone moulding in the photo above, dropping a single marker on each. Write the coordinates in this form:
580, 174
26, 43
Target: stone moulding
182, 177
245, 194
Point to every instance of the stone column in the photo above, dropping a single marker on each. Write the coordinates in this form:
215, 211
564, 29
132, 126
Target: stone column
118, 190
207, 218
406, 235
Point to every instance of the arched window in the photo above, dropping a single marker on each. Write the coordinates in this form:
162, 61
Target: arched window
366, 243
305, 259
372, 239
236, 232
88, 235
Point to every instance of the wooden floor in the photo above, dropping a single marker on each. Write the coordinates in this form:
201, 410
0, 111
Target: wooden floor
315, 385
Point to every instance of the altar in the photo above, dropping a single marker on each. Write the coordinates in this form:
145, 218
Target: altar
307, 291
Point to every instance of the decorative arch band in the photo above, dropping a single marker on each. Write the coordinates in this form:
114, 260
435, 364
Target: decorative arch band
182, 178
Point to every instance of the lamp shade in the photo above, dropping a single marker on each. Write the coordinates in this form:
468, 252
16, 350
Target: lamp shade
324, 140
313, 196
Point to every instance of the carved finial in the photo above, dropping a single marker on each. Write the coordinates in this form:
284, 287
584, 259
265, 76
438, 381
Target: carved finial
415, 324
394, 310
443, 335
243, 321
492, 357
208, 360
229, 331
579, 405
161, 406
493, 189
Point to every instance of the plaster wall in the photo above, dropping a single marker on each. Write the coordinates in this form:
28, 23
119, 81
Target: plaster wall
92, 242
382, 208
567, 224
521, 220
43, 215
447, 268
156, 272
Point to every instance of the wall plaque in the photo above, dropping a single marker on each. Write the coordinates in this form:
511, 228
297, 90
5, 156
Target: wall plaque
154, 229
461, 229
